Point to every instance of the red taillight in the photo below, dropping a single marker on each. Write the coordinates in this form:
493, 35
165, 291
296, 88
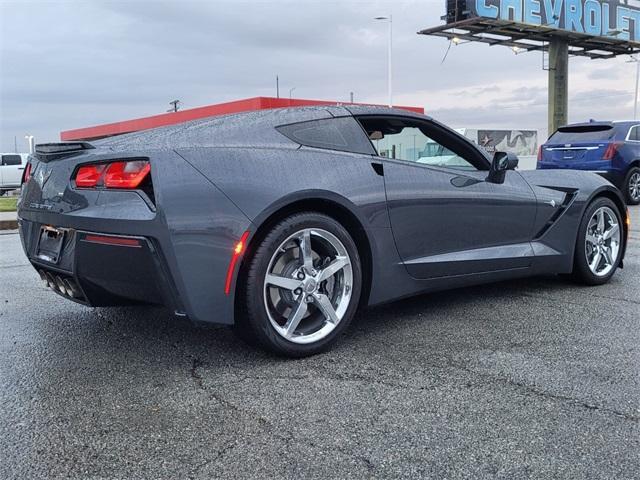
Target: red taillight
88, 176
238, 250
540, 153
109, 240
611, 151
27, 173
126, 174
120, 174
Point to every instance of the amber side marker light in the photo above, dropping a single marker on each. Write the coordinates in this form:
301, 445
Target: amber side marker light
238, 250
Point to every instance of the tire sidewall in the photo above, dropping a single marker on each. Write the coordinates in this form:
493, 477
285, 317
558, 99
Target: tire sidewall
256, 315
581, 268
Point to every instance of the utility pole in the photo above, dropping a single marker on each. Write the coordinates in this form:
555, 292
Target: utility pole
558, 83
174, 106
351, 97
277, 87
15, 143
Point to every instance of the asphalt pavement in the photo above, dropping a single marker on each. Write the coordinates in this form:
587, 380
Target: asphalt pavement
537, 378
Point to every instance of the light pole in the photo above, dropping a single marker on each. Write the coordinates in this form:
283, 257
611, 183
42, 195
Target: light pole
291, 91
389, 20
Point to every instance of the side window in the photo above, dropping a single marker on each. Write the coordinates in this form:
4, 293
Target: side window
403, 139
342, 134
11, 160
634, 133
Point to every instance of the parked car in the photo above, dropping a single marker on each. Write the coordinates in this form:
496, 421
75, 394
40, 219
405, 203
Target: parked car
11, 168
610, 149
283, 222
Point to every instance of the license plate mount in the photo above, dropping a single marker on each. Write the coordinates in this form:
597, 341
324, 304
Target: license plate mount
50, 244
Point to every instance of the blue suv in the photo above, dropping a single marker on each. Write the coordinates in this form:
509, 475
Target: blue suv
610, 149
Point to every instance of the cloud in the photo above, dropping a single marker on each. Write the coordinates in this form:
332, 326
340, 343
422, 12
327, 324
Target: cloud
73, 64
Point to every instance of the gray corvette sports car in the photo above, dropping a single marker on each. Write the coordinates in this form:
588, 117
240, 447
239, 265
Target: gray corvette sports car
283, 222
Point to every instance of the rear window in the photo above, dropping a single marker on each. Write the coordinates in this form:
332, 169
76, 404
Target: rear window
584, 133
341, 133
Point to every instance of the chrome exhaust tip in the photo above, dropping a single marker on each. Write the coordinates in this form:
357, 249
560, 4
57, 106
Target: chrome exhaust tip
72, 290
51, 282
60, 285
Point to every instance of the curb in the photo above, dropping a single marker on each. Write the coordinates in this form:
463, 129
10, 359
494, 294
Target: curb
8, 224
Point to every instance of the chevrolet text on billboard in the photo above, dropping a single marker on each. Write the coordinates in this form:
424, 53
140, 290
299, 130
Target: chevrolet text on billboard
592, 17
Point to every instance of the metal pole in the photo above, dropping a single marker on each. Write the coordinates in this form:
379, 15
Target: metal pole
558, 84
351, 96
277, 87
390, 60
635, 103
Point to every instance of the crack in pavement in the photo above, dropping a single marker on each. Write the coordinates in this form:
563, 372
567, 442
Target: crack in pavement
262, 422
495, 378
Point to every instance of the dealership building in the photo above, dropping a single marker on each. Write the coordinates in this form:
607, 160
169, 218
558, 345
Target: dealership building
244, 105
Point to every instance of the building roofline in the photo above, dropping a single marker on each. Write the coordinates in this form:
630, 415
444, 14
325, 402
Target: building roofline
171, 118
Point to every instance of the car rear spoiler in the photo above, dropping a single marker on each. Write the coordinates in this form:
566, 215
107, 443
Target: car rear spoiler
46, 152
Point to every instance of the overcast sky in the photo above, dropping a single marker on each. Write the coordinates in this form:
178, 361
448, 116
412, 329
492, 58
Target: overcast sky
71, 64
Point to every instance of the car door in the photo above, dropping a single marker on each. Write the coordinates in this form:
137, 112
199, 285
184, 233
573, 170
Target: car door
11, 165
446, 218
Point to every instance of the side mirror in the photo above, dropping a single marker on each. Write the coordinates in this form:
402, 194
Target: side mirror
502, 161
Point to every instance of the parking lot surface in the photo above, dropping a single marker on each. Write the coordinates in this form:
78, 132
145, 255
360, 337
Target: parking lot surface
534, 378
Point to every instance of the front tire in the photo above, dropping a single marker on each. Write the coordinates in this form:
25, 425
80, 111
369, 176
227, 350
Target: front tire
632, 186
301, 287
599, 243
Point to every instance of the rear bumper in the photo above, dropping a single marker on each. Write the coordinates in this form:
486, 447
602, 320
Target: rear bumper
95, 271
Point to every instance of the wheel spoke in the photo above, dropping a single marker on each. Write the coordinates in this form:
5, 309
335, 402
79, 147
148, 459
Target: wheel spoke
306, 255
606, 253
592, 239
595, 262
334, 267
295, 316
324, 304
613, 230
600, 221
283, 282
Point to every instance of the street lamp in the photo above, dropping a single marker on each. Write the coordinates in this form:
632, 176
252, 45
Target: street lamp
291, 91
389, 20
636, 60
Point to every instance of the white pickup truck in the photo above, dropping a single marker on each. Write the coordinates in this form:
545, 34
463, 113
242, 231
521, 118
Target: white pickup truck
11, 169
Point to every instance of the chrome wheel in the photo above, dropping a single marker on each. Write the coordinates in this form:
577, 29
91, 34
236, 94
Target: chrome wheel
634, 187
602, 241
308, 285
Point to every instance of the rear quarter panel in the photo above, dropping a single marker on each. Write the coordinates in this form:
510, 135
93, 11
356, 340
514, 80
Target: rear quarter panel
260, 181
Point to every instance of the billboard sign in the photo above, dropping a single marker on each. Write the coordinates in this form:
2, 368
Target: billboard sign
592, 17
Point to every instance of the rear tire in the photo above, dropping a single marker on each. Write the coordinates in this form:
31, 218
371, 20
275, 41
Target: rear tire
632, 186
599, 243
301, 287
